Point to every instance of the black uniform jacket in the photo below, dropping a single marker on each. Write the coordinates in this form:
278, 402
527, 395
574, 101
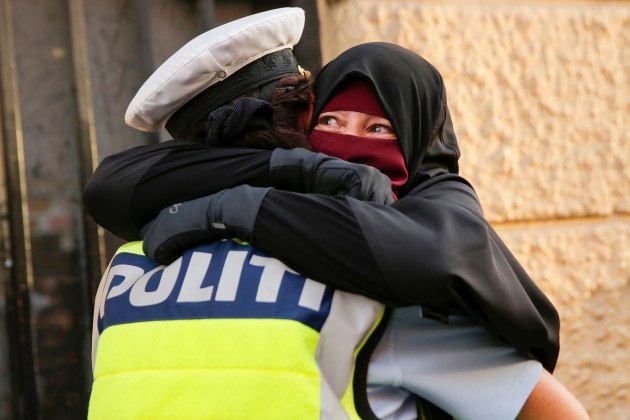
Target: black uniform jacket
432, 248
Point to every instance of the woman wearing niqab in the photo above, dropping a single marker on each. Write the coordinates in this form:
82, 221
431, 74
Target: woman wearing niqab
433, 244
431, 248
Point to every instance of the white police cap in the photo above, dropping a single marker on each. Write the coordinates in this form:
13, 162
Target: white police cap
211, 58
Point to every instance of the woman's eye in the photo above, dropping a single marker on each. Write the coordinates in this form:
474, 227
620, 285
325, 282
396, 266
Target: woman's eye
381, 129
328, 120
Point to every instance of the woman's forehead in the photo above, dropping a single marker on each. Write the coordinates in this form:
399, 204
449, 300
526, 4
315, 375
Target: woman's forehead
355, 95
354, 115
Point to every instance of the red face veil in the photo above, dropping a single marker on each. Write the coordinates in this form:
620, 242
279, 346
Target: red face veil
384, 155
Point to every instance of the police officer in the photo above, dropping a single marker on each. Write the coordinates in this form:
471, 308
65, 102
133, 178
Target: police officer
226, 331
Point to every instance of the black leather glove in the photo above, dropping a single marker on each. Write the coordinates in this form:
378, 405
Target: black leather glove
226, 214
304, 171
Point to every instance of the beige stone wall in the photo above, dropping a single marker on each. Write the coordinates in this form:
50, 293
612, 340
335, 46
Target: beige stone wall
540, 97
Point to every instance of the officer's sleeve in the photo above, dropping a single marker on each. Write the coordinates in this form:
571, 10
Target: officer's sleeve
129, 188
432, 248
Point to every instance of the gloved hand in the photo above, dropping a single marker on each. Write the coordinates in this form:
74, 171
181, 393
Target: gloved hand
227, 214
300, 170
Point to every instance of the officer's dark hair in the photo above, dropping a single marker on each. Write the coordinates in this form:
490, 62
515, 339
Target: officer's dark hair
291, 99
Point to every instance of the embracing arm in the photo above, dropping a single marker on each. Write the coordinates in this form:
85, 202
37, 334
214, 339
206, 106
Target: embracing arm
129, 188
551, 400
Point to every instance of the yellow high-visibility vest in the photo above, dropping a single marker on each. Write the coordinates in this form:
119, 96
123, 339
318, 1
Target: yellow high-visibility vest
224, 332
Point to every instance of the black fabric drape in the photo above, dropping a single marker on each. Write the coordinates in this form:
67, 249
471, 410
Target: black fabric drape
128, 189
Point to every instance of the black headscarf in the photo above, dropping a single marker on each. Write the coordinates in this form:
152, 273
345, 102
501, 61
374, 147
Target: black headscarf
412, 94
